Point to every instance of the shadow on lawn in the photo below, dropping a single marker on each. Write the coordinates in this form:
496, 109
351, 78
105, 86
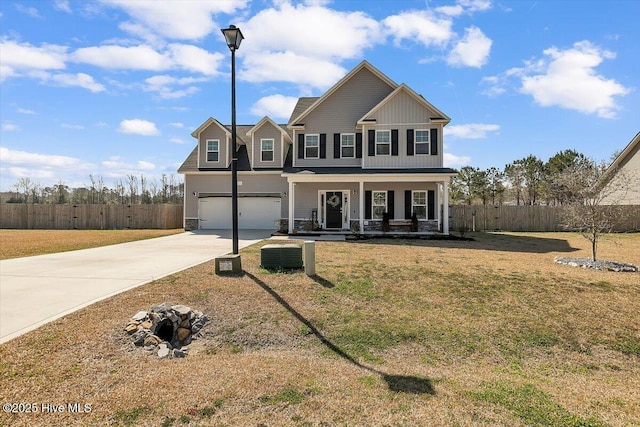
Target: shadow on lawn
482, 241
397, 383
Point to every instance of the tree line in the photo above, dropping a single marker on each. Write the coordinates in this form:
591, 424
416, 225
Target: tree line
131, 190
527, 181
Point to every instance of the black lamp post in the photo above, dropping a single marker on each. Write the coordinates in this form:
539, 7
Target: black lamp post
234, 37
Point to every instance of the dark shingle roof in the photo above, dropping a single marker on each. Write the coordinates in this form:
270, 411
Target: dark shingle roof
301, 106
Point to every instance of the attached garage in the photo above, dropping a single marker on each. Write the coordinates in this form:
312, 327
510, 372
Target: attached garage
254, 212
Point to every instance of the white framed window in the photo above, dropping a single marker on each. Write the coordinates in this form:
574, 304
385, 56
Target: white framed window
422, 142
348, 145
383, 142
266, 150
312, 146
419, 204
378, 204
213, 150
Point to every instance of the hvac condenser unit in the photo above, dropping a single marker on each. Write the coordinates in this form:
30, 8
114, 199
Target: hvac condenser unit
281, 256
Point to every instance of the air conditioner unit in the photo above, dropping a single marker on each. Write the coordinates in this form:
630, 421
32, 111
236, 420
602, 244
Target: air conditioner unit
276, 256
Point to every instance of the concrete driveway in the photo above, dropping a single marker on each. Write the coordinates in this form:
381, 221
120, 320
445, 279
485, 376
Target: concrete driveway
36, 290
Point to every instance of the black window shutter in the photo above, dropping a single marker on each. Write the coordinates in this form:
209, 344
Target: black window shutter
409, 142
372, 142
323, 145
394, 142
434, 141
391, 204
407, 204
367, 204
336, 145
359, 145
301, 145
431, 204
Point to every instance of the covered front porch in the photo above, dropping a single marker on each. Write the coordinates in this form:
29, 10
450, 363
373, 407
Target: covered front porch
395, 202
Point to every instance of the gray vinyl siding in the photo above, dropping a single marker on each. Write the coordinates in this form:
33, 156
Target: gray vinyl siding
403, 108
267, 131
402, 160
306, 195
340, 112
398, 195
221, 183
213, 132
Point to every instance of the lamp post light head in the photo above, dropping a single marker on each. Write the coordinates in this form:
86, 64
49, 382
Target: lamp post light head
233, 36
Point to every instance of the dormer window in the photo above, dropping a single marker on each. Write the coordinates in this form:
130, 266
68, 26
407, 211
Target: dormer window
383, 143
213, 150
266, 150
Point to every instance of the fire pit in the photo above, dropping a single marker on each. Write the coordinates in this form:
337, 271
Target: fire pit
166, 328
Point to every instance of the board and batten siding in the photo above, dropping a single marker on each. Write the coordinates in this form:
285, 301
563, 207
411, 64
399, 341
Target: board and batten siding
340, 112
267, 131
221, 183
402, 160
213, 132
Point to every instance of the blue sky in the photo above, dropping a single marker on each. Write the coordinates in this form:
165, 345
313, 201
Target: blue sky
115, 87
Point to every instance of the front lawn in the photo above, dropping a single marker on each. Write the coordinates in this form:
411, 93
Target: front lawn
390, 332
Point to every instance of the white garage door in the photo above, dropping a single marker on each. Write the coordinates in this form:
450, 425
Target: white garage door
254, 213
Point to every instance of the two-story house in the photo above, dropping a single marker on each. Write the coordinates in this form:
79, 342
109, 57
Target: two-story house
368, 149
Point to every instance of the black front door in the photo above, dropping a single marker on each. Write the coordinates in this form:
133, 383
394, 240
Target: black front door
333, 206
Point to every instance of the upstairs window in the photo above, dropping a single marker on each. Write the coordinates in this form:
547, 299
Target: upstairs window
419, 204
213, 150
312, 146
348, 145
422, 142
266, 150
378, 204
383, 143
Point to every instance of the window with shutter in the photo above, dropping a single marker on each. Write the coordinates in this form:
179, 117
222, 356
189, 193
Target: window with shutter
348, 145
312, 146
422, 142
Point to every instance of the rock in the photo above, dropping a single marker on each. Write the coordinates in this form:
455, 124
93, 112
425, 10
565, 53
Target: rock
185, 324
163, 352
152, 340
182, 310
179, 353
140, 336
146, 324
139, 316
183, 333
131, 328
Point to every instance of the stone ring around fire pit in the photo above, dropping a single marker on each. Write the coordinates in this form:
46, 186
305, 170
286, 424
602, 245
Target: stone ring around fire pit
166, 328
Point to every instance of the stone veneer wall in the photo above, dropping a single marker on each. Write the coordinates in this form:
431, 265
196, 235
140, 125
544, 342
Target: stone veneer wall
190, 224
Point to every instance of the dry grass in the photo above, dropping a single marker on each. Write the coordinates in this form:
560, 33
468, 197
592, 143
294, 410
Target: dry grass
398, 333
21, 243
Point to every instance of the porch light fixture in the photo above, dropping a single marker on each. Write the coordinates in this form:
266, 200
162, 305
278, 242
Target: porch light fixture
233, 37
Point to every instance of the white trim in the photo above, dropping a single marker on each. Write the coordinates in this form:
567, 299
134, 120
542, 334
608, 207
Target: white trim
445, 207
273, 150
415, 142
291, 201
426, 203
354, 146
207, 151
306, 135
376, 142
312, 177
346, 208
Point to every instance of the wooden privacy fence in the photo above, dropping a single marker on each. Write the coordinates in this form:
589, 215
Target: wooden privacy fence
526, 218
89, 217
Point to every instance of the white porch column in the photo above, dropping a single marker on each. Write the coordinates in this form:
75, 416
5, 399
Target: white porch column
292, 202
445, 207
361, 202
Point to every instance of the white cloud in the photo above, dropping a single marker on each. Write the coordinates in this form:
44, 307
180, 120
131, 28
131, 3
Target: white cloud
452, 161
569, 80
186, 20
472, 50
470, 130
9, 127
472, 6
16, 56
75, 127
289, 67
177, 140
31, 11
118, 57
145, 166
455, 10
63, 5
177, 125
138, 127
36, 160
418, 25
25, 111
193, 58
82, 80
163, 85
275, 106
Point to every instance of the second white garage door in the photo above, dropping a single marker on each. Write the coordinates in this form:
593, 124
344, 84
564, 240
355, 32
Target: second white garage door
254, 213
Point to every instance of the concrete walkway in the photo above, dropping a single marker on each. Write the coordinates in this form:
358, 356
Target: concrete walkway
36, 290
